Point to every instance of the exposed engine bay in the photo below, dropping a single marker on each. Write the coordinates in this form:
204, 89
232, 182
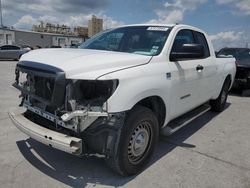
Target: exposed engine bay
71, 104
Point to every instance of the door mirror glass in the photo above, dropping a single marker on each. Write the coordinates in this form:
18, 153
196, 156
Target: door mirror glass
187, 51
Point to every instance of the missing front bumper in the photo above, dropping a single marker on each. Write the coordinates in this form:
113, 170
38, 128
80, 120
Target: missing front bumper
46, 136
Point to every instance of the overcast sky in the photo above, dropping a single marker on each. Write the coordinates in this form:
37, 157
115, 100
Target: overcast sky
226, 21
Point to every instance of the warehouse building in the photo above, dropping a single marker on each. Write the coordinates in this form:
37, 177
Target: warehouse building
33, 38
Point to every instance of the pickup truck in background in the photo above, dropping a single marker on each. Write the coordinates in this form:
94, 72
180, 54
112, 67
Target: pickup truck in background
242, 56
124, 87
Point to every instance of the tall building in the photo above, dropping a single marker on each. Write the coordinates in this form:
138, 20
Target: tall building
95, 26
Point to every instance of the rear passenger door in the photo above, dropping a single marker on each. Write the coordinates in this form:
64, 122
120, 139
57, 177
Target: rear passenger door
209, 72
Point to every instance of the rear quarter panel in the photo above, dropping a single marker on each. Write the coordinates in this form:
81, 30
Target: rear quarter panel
226, 66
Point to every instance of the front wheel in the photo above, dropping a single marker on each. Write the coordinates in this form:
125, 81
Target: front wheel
218, 104
139, 136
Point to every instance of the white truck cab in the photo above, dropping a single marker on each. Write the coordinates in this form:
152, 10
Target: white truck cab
120, 90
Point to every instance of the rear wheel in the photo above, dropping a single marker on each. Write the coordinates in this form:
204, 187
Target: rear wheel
138, 138
218, 104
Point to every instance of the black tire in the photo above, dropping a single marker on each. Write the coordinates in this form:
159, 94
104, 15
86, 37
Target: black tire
140, 130
218, 104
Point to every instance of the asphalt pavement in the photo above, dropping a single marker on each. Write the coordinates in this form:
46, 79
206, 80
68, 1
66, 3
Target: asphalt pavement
211, 151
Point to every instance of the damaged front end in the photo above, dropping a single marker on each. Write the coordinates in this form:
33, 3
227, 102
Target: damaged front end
85, 101
69, 106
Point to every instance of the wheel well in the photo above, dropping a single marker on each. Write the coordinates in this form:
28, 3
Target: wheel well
156, 104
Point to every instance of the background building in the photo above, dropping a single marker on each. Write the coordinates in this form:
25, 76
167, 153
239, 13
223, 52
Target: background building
52, 28
95, 25
48, 34
33, 38
7, 36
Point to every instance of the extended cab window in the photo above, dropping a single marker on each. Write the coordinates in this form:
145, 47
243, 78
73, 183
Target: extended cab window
201, 39
183, 37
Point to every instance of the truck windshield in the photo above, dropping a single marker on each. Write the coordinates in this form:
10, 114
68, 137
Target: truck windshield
144, 40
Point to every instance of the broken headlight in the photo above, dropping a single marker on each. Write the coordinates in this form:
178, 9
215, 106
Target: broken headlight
82, 93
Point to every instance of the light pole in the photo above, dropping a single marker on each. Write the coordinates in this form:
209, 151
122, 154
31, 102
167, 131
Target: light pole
1, 13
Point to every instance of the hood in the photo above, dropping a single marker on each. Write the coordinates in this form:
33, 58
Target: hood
85, 63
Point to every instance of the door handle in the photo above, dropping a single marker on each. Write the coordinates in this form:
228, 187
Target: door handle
199, 68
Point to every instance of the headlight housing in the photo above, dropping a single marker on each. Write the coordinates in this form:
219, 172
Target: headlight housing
88, 92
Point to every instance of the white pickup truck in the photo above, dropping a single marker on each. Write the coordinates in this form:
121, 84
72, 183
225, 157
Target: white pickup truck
124, 87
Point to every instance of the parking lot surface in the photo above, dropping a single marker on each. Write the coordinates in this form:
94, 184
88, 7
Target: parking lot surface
211, 151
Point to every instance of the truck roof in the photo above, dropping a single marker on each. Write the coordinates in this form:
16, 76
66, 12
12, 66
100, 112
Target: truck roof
163, 25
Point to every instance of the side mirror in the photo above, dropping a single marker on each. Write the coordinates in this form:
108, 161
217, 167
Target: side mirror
188, 51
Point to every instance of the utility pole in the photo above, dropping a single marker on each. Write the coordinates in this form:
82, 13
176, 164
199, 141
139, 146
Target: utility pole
1, 13
106, 19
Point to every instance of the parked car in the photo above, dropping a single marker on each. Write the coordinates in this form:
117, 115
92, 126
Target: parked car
12, 52
242, 56
120, 91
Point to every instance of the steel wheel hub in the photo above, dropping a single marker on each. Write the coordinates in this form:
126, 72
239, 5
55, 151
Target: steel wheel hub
139, 142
